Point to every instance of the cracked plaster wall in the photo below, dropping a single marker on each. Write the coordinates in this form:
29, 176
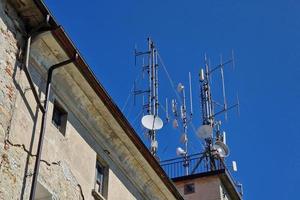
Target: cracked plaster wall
19, 124
68, 166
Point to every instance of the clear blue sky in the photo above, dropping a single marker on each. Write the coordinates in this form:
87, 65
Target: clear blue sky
265, 36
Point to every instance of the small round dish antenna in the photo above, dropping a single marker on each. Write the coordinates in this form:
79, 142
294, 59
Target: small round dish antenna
180, 151
152, 122
221, 148
180, 87
205, 131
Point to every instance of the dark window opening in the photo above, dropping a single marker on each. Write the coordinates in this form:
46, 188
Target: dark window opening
59, 117
189, 188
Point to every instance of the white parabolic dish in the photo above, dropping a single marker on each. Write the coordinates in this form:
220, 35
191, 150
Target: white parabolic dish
221, 148
152, 122
204, 131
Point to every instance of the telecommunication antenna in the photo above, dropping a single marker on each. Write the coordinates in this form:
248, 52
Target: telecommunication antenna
151, 121
216, 148
184, 120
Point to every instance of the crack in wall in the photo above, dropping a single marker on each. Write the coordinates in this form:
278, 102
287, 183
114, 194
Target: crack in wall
66, 171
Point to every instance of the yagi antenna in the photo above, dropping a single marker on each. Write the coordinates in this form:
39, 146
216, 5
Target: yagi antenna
223, 85
208, 74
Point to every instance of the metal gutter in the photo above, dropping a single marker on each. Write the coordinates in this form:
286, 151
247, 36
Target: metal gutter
41, 28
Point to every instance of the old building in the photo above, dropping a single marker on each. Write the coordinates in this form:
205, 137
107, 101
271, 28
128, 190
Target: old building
88, 149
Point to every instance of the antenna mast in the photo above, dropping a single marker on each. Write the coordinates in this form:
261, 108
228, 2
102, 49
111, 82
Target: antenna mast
153, 97
216, 148
185, 121
151, 121
181, 90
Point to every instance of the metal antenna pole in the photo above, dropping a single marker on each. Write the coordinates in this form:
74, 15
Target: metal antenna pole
153, 103
153, 94
207, 108
184, 123
156, 82
150, 78
186, 161
206, 101
215, 148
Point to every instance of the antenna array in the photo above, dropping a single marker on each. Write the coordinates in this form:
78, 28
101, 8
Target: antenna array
215, 144
210, 130
184, 120
151, 121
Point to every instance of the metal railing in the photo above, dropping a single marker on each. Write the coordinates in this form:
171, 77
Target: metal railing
176, 167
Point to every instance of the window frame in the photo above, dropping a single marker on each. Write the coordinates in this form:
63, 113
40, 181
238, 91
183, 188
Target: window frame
58, 110
102, 193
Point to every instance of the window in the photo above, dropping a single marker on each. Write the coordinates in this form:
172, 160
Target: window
99, 178
189, 188
59, 117
101, 181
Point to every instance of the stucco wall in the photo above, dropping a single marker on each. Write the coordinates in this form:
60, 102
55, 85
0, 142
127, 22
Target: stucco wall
206, 188
19, 128
10, 40
68, 165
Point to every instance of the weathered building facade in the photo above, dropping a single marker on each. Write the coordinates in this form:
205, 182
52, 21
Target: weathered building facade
89, 149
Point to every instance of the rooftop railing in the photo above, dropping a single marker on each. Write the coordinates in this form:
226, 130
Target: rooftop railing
197, 164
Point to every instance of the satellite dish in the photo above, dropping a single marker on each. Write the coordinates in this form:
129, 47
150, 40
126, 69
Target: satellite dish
221, 148
180, 151
175, 123
180, 87
205, 131
152, 122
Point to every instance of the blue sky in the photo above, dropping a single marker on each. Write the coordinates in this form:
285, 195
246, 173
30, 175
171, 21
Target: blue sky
265, 36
